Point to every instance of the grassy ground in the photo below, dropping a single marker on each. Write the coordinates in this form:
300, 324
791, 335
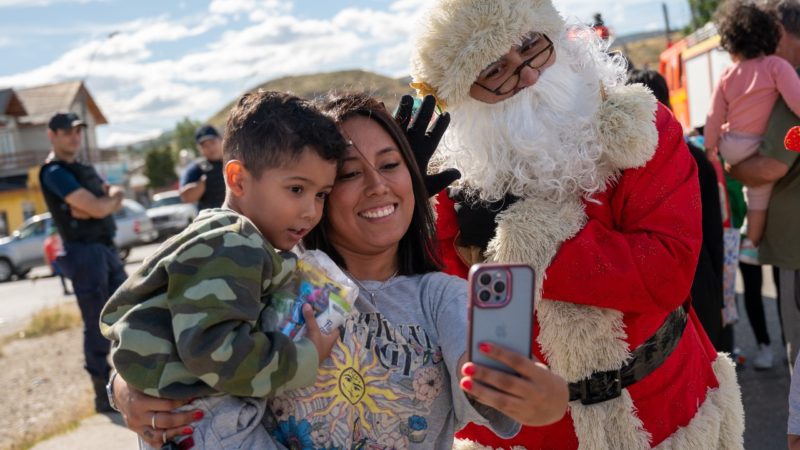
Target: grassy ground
44, 389
52, 320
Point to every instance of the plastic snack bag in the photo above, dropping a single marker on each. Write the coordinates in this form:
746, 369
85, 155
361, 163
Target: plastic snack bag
320, 283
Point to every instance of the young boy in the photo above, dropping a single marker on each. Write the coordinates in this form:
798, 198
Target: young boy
192, 321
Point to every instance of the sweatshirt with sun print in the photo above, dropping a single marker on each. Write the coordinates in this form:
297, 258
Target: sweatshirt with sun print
391, 381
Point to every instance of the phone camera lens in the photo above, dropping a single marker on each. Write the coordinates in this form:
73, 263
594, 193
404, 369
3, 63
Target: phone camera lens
484, 296
486, 279
499, 287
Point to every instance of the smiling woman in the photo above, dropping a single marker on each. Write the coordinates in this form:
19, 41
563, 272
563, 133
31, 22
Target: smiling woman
376, 188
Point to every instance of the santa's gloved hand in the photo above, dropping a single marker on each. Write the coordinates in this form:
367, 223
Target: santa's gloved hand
423, 142
477, 219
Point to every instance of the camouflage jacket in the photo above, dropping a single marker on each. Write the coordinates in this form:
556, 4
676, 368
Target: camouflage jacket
193, 320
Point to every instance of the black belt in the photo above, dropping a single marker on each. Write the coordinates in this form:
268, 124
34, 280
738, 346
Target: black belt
647, 357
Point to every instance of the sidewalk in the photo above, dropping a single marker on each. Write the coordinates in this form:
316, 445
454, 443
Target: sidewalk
98, 432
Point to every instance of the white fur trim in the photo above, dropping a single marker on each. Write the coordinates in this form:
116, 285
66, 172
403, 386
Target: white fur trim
466, 444
626, 126
719, 422
531, 230
578, 340
610, 425
457, 39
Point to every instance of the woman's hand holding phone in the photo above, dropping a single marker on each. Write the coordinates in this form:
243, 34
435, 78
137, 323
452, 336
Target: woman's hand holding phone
499, 369
534, 397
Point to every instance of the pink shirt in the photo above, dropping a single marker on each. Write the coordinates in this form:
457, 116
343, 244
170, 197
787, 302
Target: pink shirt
745, 95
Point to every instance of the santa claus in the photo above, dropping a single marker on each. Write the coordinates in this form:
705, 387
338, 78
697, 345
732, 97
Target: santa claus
589, 181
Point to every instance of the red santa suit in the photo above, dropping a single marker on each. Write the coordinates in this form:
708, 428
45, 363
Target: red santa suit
626, 260
614, 268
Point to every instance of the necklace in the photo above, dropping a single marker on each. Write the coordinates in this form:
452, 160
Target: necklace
373, 292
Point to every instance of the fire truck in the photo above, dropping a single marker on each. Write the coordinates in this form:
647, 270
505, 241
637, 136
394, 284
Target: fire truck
692, 67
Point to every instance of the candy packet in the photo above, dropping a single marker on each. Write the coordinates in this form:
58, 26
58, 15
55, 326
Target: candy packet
319, 282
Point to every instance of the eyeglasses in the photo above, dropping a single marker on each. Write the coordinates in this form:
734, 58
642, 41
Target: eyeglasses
536, 56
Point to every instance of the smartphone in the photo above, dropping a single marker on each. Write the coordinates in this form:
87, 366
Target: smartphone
500, 310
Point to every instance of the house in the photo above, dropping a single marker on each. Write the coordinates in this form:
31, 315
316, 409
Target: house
24, 114
11, 110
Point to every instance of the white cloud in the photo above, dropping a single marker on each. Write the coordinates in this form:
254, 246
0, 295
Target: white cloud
140, 87
110, 137
410, 5
255, 10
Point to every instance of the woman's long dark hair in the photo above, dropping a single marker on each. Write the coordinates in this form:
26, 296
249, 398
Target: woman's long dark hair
417, 253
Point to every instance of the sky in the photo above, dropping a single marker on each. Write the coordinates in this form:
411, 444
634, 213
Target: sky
150, 63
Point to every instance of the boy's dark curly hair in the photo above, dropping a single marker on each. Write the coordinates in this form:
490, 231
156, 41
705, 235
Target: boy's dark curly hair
746, 30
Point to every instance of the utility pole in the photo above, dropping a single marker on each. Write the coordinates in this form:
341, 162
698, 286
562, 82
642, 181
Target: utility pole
666, 22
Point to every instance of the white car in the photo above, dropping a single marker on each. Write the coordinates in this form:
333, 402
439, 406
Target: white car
169, 214
23, 250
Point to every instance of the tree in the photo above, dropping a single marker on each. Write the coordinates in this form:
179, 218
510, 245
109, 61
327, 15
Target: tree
702, 12
159, 167
183, 136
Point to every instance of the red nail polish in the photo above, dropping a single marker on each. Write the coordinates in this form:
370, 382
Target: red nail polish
466, 385
198, 415
469, 370
484, 347
186, 431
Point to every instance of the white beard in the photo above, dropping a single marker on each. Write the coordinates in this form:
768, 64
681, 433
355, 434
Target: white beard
542, 142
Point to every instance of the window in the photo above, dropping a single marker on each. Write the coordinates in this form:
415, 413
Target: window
34, 228
28, 210
6, 141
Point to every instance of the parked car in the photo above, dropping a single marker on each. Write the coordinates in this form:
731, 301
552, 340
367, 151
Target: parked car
169, 214
23, 250
134, 227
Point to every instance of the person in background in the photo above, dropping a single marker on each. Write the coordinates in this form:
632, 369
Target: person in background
81, 204
744, 96
752, 283
52, 248
203, 182
780, 245
600, 27
793, 429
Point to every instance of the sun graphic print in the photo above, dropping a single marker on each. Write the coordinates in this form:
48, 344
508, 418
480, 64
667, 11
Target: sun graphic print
368, 394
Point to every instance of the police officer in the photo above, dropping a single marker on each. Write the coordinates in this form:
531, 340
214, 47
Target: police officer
82, 204
203, 182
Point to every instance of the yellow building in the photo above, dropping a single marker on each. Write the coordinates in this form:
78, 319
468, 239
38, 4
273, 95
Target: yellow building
24, 202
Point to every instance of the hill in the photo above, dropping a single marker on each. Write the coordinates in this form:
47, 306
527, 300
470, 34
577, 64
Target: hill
389, 90
644, 49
